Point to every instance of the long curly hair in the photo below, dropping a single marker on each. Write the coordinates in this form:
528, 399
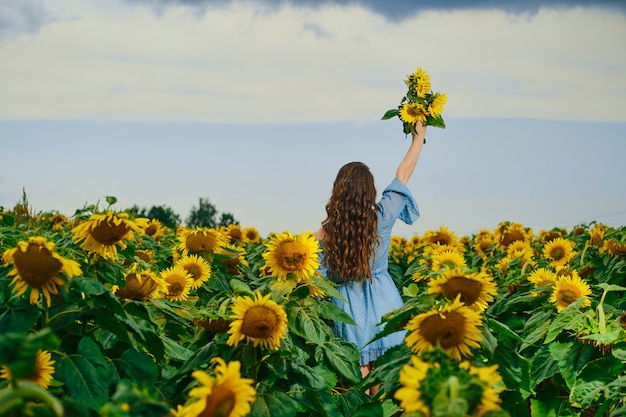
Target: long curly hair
350, 228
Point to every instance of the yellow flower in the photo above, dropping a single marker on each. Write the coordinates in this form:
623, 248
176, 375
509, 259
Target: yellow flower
234, 257
287, 255
411, 377
412, 113
559, 251
569, 288
179, 282
197, 267
258, 320
541, 277
102, 233
509, 232
226, 394
435, 108
44, 370
200, 239
476, 289
441, 236
454, 327
446, 257
251, 235
140, 284
36, 266
492, 385
155, 229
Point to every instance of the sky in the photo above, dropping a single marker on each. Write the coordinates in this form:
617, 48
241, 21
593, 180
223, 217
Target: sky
255, 105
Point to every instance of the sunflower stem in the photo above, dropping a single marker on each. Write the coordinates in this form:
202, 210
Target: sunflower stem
45, 321
453, 384
601, 315
59, 314
582, 255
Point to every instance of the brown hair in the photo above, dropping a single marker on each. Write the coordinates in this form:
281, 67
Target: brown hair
350, 228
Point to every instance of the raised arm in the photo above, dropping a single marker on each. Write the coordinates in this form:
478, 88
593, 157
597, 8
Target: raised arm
407, 165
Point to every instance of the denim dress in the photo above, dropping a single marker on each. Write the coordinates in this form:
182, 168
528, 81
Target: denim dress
367, 302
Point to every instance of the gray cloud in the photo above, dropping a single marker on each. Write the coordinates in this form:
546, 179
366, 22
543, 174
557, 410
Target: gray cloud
22, 17
400, 9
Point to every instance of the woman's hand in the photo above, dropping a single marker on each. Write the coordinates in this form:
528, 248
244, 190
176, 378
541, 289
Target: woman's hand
419, 131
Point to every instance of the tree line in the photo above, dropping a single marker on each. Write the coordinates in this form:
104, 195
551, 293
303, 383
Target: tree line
205, 214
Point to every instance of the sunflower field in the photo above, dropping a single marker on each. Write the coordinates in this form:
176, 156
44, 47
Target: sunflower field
106, 314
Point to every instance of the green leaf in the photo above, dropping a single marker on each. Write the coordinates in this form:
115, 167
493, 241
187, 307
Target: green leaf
240, 287
567, 319
20, 318
176, 351
543, 366
275, 404
309, 326
138, 367
87, 374
328, 310
389, 114
340, 356
611, 287
111, 200
88, 286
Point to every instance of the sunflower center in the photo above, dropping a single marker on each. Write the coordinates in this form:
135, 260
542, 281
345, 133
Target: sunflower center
220, 403
36, 265
108, 233
511, 237
568, 296
441, 239
199, 242
151, 230
557, 253
194, 271
175, 288
292, 256
447, 331
468, 288
259, 322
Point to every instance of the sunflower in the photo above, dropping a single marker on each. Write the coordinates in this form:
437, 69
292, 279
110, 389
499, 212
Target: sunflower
559, 251
258, 320
37, 266
197, 267
447, 258
102, 233
179, 283
541, 277
454, 327
475, 289
289, 255
483, 241
234, 233
43, 370
412, 113
410, 394
421, 81
140, 284
569, 288
226, 394
155, 229
200, 240
509, 232
616, 248
251, 235
491, 383
441, 236
435, 108
234, 257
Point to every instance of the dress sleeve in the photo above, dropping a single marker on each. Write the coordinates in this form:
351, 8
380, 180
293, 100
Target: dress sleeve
397, 202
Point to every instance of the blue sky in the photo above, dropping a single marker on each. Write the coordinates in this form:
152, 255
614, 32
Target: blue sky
256, 104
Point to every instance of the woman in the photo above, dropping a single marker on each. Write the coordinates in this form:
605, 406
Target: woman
355, 239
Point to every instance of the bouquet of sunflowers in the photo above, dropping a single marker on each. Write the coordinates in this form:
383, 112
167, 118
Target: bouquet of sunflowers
419, 104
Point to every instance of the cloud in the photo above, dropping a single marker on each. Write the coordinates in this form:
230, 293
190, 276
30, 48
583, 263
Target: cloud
399, 10
117, 61
22, 17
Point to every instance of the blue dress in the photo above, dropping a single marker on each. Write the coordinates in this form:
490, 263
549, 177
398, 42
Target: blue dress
367, 302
